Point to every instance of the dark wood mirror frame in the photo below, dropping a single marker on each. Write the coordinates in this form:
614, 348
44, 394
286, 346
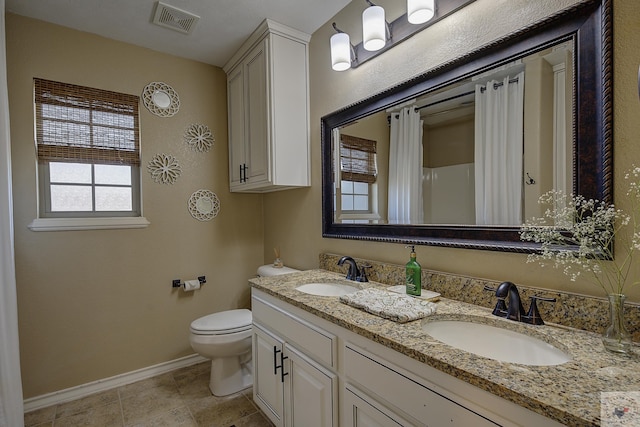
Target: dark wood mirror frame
590, 26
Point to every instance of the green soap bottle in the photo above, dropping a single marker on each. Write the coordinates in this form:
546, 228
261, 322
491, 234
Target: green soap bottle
414, 275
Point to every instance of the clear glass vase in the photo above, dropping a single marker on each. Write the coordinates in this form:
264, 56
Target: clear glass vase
616, 338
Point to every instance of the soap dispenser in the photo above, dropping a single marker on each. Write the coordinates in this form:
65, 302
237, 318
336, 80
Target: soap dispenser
413, 275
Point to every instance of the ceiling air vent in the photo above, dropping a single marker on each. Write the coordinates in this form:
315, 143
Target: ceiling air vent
174, 18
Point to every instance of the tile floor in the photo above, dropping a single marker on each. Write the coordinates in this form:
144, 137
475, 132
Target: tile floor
178, 398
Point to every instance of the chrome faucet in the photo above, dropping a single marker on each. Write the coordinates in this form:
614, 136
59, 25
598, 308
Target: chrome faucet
514, 309
354, 273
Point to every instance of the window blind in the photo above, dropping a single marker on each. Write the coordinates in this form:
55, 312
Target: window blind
358, 159
85, 125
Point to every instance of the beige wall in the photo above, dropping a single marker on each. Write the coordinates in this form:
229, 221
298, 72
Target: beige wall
298, 231
449, 143
93, 304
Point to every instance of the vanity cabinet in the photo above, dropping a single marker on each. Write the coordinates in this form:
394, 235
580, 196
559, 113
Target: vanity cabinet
412, 395
268, 111
378, 386
290, 386
361, 410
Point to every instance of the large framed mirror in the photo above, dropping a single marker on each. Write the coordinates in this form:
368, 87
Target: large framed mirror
538, 101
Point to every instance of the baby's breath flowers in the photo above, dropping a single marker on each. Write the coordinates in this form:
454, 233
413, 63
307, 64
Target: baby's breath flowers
576, 235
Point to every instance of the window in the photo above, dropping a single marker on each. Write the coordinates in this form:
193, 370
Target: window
88, 151
358, 174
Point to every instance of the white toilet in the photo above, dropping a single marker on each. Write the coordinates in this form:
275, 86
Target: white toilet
225, 338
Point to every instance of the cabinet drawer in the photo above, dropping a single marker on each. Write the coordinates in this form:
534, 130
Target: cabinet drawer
411, 397
315, 342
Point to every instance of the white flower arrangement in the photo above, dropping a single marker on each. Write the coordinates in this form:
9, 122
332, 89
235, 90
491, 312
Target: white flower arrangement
576, 235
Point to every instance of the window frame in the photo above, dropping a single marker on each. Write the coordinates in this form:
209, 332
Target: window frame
48, 220
45, 195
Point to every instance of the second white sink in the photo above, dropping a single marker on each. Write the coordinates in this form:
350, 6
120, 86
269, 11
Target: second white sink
495, 343
327, 289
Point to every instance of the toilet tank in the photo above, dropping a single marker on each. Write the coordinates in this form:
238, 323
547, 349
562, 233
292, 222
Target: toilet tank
269, 270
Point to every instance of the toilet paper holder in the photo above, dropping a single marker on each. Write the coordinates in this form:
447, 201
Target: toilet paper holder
177, 283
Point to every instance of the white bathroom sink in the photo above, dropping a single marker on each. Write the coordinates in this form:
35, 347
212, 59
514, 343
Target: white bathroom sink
327, 289
495, 343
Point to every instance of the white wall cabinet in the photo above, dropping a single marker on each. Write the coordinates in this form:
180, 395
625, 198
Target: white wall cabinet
289, 386
268, 111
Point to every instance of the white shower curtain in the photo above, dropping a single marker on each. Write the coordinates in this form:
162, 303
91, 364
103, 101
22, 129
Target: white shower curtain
499, 151
11, 401
405, 168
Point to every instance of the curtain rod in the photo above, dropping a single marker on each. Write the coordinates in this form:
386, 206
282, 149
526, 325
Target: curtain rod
495, 86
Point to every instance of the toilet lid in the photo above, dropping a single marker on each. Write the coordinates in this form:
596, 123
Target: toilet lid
223, 322
269, 270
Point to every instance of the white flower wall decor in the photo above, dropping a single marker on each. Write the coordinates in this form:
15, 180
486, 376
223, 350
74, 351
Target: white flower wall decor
204, 205
199, 137
164, 168
160, 99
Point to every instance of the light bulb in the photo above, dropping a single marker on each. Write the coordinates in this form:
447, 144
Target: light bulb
420, 11
374, 28
340, 52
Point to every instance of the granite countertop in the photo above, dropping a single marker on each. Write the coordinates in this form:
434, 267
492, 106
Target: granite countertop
569, 393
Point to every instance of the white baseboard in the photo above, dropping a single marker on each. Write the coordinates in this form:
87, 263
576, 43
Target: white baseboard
83, 390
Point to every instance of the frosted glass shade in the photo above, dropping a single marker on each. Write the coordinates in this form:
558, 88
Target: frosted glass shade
374, 28
340, 52
420, 11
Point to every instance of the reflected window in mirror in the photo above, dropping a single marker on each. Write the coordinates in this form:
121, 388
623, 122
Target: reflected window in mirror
356, 185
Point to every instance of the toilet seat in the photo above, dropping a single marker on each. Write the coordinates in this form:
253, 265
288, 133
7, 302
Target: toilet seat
222, 323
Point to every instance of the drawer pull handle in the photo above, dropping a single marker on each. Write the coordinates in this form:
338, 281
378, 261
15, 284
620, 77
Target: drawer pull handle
275, 360
275, 363
282, 372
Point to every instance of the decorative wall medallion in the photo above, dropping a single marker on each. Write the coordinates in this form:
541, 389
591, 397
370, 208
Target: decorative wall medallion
204, 205
160, 99
199, 137
164, 168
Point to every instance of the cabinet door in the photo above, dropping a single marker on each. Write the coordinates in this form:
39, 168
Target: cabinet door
310, 392
236, 107
362, 411
268, 387
255, 80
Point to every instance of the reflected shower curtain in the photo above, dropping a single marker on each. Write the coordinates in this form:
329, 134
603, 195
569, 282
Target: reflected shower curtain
405, 168
499, 151
11, 403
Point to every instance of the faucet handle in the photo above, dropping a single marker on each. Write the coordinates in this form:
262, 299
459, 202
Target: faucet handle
500, 309
533, 316
363, 274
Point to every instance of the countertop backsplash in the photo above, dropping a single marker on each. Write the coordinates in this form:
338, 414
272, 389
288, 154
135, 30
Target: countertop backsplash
572, 310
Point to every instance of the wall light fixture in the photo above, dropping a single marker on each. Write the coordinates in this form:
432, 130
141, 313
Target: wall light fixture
378, 35
420, 11
342, 51
375, 29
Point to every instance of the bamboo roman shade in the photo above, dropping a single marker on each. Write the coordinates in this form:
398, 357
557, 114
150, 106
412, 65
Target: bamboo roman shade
85, 125
358, 159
